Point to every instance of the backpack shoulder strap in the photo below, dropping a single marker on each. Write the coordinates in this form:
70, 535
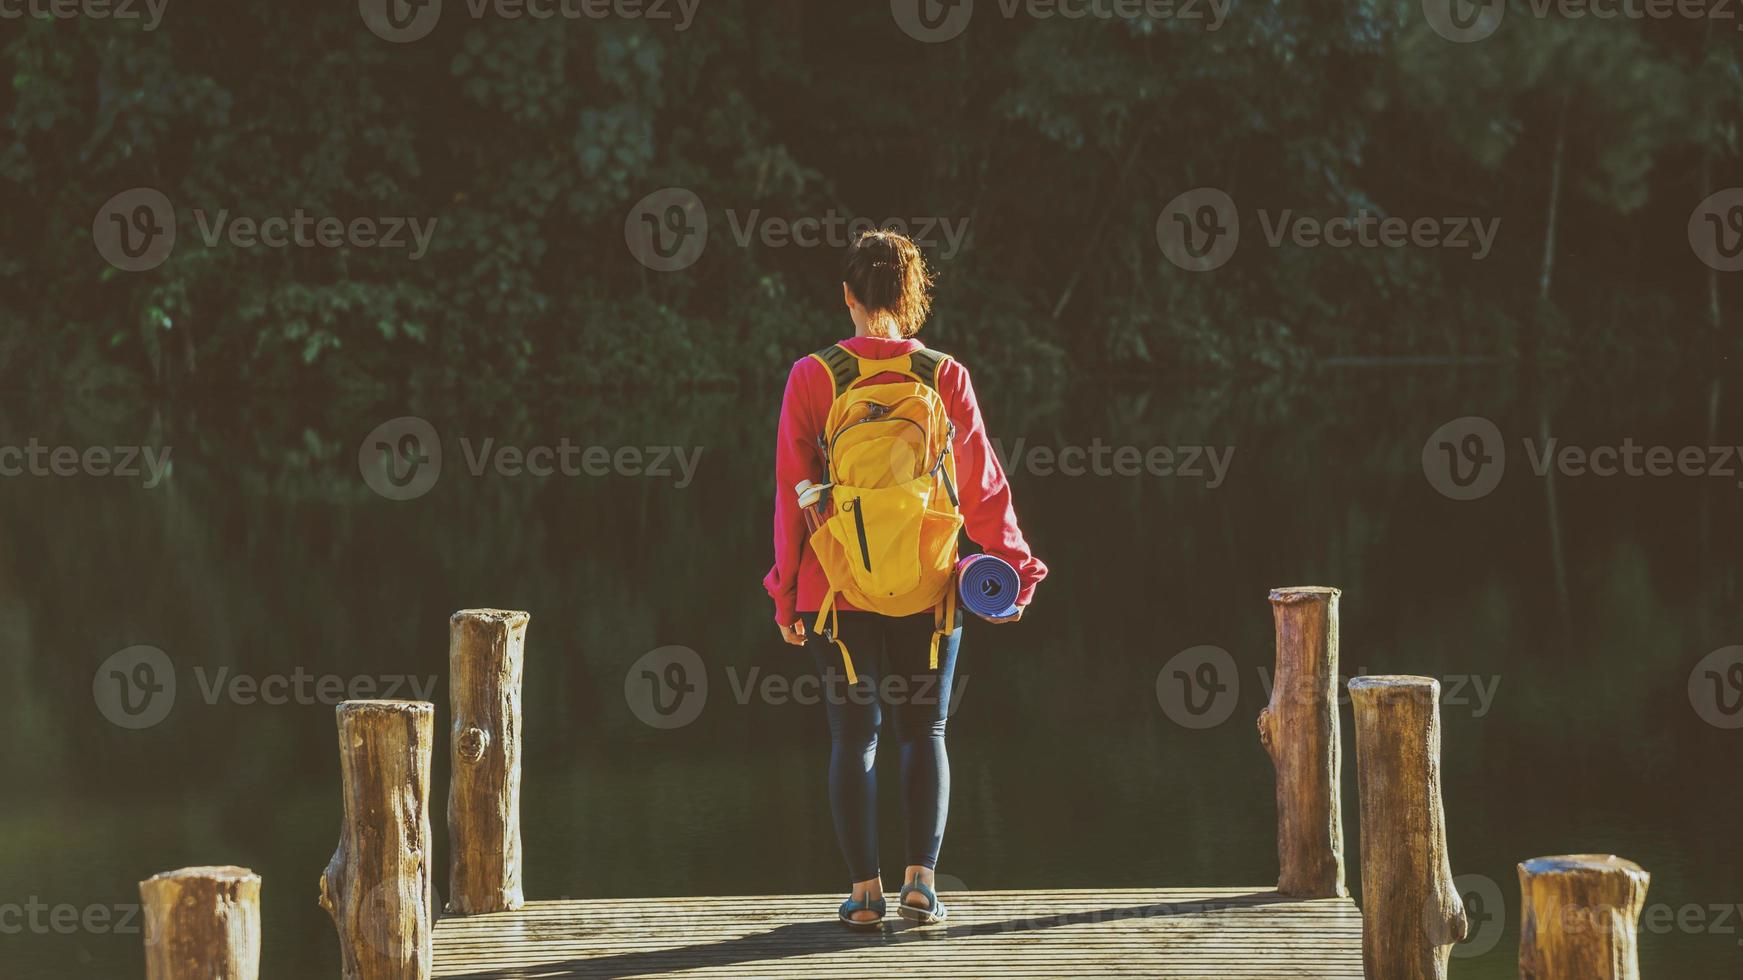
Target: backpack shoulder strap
842, 365
924, 363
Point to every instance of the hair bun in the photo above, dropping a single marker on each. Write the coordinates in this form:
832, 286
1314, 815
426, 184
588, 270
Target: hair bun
887, 275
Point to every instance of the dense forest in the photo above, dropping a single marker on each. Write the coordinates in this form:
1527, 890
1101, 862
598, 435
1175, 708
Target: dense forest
1040, 152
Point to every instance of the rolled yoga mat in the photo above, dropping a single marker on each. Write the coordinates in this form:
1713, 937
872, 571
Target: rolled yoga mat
988, 586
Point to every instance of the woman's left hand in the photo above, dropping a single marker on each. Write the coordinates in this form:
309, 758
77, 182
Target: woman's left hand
1006, 619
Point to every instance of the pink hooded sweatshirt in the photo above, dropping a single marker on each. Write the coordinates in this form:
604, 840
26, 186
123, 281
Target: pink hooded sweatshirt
796, 583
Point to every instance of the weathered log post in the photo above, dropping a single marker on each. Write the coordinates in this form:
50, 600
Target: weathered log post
202, 923
1300, 731
1413, 914
378, 887
1580, 918
485, 652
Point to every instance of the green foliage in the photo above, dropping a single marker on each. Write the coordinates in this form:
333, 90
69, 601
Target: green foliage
1057, 142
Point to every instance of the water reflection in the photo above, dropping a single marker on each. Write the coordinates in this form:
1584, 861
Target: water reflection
1575, 605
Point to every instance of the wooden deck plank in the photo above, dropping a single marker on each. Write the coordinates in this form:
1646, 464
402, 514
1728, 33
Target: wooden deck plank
1181, 933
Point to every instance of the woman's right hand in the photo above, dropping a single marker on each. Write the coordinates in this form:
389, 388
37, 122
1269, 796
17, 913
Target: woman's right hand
794, 634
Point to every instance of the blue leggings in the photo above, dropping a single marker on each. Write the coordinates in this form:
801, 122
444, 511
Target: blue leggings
890, 655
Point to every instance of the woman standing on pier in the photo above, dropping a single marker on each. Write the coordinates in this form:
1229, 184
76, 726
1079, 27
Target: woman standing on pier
889, 439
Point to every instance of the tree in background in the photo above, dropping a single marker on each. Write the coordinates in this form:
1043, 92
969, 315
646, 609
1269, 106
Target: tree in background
1054, 142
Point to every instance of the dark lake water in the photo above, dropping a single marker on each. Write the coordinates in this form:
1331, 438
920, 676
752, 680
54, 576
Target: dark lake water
1579, 623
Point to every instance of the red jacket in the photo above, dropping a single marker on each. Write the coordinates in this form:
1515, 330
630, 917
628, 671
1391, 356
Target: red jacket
797, 583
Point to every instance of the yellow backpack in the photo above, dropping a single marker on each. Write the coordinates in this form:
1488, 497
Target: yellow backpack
890, 517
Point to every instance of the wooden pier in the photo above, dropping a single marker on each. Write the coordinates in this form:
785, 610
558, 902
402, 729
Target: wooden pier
380, 889
1184, 933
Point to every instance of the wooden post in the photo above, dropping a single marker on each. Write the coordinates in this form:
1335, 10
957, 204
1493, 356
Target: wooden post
1580, 918
1413, 914
485, 652
202, 922
378, 886
1300, 731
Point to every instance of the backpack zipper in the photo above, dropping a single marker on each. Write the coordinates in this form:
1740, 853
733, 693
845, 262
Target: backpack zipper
859, 525
876, 418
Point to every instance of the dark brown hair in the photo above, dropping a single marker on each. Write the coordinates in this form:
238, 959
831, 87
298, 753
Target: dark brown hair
888, 276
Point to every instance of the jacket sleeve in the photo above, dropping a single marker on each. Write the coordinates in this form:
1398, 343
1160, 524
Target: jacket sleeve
988, 514
796, 459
